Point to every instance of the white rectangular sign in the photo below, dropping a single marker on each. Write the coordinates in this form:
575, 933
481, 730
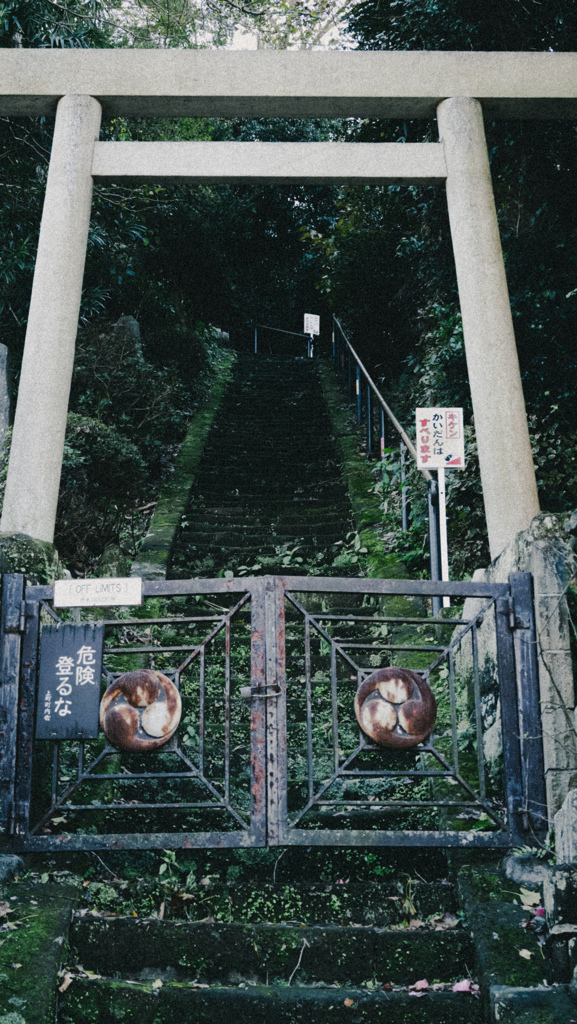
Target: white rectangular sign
440, 439
312, 323
99, 593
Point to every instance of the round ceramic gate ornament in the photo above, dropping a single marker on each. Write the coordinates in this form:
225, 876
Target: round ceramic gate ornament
396, 707
140, 710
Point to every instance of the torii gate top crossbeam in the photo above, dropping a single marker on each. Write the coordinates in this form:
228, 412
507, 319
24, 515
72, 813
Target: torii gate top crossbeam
213, 83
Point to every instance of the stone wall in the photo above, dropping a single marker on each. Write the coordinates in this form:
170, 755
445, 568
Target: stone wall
546, 551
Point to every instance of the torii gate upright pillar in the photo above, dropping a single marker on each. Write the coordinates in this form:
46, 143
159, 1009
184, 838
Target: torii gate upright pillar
35, 463
506, 463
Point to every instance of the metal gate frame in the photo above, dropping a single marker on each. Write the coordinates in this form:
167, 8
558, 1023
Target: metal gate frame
524, 776
269, 819
20, 626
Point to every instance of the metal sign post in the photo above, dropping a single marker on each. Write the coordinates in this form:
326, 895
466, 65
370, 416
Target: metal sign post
443, 543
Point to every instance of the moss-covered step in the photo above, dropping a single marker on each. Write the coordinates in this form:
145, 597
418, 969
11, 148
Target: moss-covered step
269, 474
258, 953
157, 1002
154, 556
555, 1004
356, 903
507, 954
32, 948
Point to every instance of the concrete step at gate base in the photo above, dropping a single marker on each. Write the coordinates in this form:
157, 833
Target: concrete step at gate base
105, 1001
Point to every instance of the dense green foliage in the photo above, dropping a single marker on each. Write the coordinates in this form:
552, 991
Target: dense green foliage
463, 25
386, 263
130, 417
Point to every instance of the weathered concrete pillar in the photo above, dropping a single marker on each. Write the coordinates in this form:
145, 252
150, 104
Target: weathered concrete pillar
40, 421
507, 472
4, 394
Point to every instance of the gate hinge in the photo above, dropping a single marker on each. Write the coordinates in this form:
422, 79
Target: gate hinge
516, 621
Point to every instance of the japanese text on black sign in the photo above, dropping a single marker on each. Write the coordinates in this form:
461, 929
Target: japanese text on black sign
69, 682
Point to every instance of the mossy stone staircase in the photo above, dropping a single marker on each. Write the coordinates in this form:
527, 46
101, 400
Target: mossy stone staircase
269, 480
247, 969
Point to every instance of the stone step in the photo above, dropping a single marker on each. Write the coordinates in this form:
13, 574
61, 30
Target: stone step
378, 904
232, 953
302, 534
104, 1000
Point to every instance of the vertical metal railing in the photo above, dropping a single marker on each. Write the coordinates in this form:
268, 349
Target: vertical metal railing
341, 346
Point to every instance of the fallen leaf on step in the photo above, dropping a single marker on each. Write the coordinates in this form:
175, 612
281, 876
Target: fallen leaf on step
526, 954
466, 985
419, 986
415, 922
529, 898
66, 982
445, 922
349, 1002
157, 983
388, 986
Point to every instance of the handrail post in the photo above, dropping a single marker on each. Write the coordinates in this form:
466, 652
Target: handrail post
349, 377
443, 542
433, 498
404, 516
255, 340
359, 395
369, 439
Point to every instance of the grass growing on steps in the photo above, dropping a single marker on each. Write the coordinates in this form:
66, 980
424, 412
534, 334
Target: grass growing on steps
269, 495
360, 482
32, 948
155, 551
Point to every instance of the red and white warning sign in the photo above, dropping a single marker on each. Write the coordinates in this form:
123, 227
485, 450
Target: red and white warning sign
440, 439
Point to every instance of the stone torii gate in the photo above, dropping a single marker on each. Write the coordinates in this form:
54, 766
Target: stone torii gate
79, 85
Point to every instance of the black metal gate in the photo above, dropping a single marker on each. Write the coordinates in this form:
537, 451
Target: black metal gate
268, 750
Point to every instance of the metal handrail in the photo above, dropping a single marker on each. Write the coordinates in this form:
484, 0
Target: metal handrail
406, 444
295, 334
400, 430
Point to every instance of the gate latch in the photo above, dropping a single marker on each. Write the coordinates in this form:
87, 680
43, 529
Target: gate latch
247, 691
